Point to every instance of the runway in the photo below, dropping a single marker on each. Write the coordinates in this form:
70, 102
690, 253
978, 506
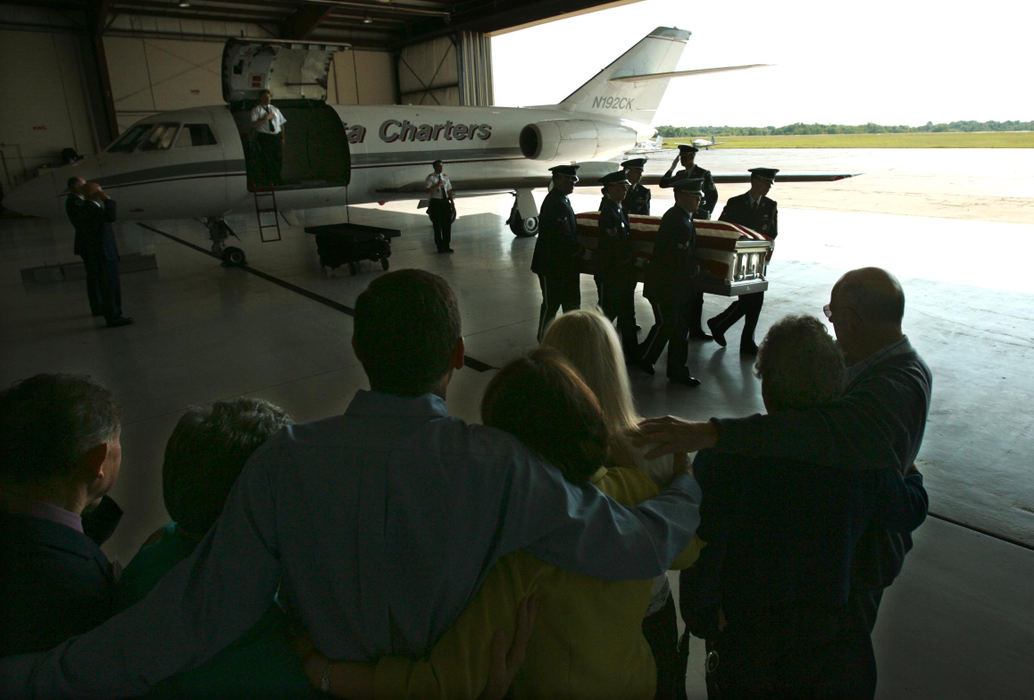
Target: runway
205, 332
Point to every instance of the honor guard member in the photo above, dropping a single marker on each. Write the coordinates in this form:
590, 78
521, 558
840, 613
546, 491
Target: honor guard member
637, 201
615, 262
268, 123
440, 207
687, 154
756, 211
557, 251
671, 283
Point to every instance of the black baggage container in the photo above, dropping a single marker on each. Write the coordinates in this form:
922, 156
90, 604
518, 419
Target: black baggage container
338, 244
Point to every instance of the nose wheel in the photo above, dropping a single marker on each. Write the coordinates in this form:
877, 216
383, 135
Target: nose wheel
234, 257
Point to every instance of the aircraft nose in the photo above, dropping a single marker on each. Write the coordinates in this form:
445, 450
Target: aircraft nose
37, 197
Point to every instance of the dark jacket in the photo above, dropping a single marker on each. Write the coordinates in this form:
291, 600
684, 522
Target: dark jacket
98, 235
637, 200
615, 255
54, 583
673, 266
73, 208
557, 250
781, 537
763, 219
878, 423
710, 200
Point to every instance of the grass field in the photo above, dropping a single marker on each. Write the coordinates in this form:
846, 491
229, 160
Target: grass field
956, 139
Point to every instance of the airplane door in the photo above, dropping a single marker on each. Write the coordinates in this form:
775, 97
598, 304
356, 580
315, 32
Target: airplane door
314, 150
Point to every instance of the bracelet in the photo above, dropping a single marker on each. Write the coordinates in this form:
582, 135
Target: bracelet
325, 677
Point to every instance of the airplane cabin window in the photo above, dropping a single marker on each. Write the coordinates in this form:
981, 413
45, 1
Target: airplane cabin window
195, 135
127, 142
160, 138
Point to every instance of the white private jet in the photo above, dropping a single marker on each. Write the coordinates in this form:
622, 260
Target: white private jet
199, 163
706, 144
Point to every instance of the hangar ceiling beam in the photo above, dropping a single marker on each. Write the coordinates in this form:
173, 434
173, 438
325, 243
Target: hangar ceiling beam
301, 24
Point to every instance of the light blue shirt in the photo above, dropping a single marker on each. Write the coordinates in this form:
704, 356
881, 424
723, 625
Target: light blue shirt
380, 524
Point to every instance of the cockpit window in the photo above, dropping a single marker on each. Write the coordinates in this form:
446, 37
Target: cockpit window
195, 135
160, 138
127, 142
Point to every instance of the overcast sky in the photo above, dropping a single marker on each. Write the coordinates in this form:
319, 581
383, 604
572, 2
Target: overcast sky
888, 61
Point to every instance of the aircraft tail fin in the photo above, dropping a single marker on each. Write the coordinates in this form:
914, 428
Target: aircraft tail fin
615, 90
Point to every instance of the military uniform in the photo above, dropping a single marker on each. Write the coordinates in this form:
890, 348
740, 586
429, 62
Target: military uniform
556, 258
670, 287
616, 272
637, 201
761, 217
710, 199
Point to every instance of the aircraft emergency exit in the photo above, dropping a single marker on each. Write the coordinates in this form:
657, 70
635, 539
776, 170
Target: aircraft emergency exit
200, 163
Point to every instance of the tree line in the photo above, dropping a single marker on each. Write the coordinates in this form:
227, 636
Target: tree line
799, 128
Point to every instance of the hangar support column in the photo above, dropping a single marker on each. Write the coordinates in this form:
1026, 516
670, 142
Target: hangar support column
448, 70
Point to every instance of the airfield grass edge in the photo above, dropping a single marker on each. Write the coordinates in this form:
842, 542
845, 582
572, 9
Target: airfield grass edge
983, 139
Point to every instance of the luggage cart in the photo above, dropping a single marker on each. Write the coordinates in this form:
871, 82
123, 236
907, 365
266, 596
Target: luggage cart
346, 243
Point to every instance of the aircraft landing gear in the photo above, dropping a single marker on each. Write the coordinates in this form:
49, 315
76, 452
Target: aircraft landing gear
524, 217
523, 228
234, 257
218, 232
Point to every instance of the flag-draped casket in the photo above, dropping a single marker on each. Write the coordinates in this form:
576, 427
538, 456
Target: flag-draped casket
734, 258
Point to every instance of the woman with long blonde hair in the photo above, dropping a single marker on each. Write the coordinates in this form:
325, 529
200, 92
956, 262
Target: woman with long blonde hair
590, 342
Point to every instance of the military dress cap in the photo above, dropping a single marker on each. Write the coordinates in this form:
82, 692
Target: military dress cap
767, 174
687, 148
568, 170
617, 178
690, 184
634, 163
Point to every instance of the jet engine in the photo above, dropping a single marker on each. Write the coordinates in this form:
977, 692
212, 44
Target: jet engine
574, 139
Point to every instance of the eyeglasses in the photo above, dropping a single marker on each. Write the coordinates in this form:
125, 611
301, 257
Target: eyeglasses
829, 312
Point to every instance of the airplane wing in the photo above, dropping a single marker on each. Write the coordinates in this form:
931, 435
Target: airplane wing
655, 178
683, 73
486, 186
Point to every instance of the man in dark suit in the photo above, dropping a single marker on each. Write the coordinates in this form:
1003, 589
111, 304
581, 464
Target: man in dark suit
557, 250
671, 284
756, 211
74, 202
59, 455
615, 257
100, 252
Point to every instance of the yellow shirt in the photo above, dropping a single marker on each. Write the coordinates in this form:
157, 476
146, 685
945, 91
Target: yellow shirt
587, 641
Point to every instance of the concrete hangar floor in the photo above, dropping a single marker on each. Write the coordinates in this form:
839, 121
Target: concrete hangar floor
959, 622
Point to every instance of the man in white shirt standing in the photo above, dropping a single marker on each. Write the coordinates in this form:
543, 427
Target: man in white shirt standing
268, 123
440, 208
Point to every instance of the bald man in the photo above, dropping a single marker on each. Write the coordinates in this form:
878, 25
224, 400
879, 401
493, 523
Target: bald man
878, 422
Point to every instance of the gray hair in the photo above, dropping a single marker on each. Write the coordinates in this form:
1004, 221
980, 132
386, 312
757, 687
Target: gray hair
799, 364
48, 422
206, 452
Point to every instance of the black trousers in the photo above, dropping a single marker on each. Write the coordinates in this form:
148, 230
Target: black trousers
662, 634
617, 300
109, 289
440, 212
558, 290
270, 151
93, 288
671, 329
747, 307
813, 661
